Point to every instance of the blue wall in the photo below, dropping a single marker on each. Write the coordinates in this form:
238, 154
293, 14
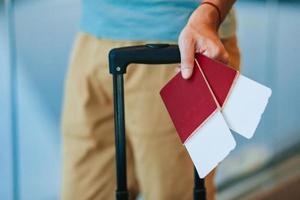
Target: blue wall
269, 39
44, 34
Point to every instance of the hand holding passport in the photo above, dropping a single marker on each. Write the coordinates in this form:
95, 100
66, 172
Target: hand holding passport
205, 107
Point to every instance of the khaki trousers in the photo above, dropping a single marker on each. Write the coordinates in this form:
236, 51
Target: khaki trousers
158, 164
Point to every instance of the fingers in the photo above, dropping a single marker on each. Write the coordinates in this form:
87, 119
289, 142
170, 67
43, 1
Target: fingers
205, 41
217, 51
187, 50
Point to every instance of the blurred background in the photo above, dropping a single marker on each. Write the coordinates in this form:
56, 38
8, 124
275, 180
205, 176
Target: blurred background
34, 52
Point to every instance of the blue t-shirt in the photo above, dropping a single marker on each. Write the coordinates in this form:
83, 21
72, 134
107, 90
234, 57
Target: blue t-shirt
136, 19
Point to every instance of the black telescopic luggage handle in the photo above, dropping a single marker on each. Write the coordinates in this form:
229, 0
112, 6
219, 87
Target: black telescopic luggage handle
119, 59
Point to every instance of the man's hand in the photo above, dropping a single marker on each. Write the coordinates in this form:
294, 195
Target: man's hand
201, 35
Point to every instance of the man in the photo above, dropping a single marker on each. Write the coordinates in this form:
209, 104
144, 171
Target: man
159, 166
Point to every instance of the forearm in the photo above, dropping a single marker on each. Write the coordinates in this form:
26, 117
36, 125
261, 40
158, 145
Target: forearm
208, 14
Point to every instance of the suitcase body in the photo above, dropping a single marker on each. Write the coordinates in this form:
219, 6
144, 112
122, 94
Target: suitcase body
119, 59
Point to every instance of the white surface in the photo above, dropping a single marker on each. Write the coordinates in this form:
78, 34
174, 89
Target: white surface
210, 144
245, 106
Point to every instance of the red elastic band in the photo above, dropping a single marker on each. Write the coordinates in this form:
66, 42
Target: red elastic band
217, 9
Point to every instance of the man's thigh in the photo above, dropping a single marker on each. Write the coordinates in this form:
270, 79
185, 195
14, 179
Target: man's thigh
87, 125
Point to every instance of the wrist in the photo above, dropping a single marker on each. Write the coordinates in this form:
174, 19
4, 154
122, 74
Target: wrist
206, 15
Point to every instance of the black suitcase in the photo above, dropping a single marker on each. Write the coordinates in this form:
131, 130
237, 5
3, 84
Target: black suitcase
119, 59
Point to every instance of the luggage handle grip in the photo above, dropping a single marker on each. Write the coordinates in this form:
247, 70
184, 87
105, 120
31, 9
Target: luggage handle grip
120, 58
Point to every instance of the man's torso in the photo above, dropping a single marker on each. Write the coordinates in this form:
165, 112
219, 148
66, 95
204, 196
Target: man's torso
142, 19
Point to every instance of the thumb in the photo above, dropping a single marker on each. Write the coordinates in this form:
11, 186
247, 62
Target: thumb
187, 51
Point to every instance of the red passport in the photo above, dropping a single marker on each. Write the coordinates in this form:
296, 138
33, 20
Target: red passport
241, 99
219, 76
197, 118
189, 102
